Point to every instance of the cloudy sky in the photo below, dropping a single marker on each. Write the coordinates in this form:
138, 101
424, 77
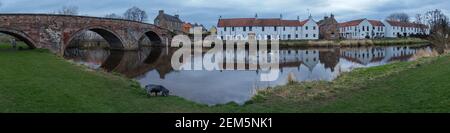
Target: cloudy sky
208, 11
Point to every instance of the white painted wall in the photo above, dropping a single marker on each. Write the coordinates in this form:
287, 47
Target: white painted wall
392, 31
281, 32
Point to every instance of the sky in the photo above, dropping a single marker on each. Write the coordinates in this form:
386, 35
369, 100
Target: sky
207, 12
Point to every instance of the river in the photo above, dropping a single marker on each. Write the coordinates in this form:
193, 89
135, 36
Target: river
151, 65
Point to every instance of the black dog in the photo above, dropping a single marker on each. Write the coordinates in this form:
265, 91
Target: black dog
156, 89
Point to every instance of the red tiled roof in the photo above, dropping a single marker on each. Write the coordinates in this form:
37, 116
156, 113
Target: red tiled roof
304, 22
405, 24
376, 23
351, 23
357, 22
236, 22
291, 23
267, 22
241, 22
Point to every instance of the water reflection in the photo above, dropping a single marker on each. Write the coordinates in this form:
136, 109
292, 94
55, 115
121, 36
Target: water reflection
153, 66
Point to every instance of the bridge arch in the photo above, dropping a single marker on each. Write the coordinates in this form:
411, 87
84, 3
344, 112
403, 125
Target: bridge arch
113, 39
19, 35
155, 39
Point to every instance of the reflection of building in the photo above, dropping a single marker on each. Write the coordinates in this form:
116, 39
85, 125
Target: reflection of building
330, 58
267, 29
328, 28
173, 23
310, 58
373, 55
362, 28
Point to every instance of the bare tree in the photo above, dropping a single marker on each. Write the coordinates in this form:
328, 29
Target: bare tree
402, 17
113, 15
437, 20
68, 10
421, 21
440, 30
135, 14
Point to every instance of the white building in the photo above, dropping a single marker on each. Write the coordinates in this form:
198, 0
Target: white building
403, 29
267, 29
362, 28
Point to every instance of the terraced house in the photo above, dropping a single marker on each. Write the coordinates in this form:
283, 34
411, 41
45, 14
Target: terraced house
362, 28
267, 29
404, 29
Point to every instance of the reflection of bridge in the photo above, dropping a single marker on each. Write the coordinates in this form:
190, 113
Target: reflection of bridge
55, 32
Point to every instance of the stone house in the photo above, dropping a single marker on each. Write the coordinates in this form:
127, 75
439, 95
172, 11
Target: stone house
172, 23
328, 28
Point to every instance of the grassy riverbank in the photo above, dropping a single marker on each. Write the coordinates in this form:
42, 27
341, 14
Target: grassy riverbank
347, 43
38, 81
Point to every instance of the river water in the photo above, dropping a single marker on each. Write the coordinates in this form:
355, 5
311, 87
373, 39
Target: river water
152, 65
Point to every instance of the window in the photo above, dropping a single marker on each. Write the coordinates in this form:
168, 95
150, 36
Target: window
263, 28
363, 28
251, 28
221, 37
274, 28
296, 35
306, 27
232, 28
225, 28
284, 28
245, 28
289, 36
314, 35
314, 27
368, 28
296, 28
306, 35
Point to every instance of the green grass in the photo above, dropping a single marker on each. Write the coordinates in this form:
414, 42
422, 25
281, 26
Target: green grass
38, 81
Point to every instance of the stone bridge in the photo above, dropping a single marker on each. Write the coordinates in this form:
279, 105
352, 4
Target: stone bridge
55, 32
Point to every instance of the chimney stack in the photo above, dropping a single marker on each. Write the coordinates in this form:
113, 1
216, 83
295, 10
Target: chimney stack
281, 16
177, 16
161, 11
